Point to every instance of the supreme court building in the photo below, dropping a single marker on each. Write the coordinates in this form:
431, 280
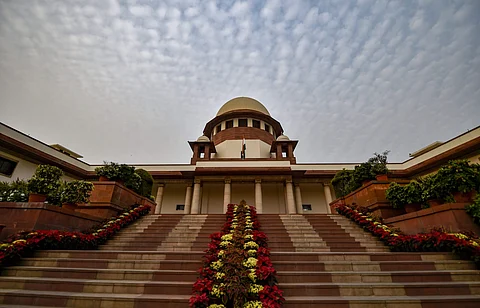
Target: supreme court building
243, 153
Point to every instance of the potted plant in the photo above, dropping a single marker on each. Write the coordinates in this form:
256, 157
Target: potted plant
413, 197
16, 191
395, 194
363, 173
76, 192
120, 173
379, 165
460, 179
433, 192
45, 180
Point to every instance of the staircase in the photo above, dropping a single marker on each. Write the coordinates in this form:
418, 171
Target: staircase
328, 261
321, 260
152, 263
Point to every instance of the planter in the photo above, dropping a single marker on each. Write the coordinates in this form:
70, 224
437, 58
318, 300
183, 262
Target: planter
36, 197
381, 177
435, 202
69, 206
366, 182
412, 207
1, 228
103, 179
464, 197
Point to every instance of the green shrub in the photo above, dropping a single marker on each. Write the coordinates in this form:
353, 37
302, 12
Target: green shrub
343, 183
474, 209
459, 176
134, 182
45, 180
395, 194
414, 193
379, 162
147, 182
16, 191
363, 172
76, 192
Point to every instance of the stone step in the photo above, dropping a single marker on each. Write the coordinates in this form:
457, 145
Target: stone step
78, 299
113, 264
120, 255
381, 289
362, 256
101, 274
463, 301
344, 266
97, 286
369, 277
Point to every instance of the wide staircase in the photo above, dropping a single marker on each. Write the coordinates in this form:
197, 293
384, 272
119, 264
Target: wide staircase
321, 260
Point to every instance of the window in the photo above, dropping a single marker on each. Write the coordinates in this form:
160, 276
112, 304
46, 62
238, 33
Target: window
306, 207
180, 207
242, 122
219, 128
229, 124
7, 166
267, 127
256, 123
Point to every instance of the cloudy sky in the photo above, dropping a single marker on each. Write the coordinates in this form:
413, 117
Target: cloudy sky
132, 81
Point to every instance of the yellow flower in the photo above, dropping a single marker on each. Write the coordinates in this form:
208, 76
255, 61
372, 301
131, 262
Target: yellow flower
216, 265
227, 237
216, 290
250, 244
255, 288
219, 275
253, 304
224, 244
216, 306
19, 241
252, 252
250, 262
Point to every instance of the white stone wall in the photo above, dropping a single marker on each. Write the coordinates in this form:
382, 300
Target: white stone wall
212, 198
232, 149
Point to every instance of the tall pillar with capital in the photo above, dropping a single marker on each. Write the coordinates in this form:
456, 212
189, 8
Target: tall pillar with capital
188, 199
298, 198
227, 194
328, 196
258, 196
196, 197
290, 199
159, 198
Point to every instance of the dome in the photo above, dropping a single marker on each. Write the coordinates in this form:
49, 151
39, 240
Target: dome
239, 103
203, 138
283, 138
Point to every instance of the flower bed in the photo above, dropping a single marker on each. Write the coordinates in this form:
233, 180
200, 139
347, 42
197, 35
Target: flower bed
25, 243
467, 247
237, 271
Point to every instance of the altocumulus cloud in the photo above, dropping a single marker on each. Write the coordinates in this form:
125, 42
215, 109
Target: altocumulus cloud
132, 81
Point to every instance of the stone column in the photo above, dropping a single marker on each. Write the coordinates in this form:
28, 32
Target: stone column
159, 198
258, 196
328, 196
188, 199
227, 195
196, 197
290, 199
298, 198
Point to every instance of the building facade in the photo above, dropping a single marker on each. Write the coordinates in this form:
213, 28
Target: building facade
243, 153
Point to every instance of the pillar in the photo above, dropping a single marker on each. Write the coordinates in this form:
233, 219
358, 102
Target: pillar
298, 198
159, 198
196, 197
290, 200
188, 199
328, 196
227, 195
258, 196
